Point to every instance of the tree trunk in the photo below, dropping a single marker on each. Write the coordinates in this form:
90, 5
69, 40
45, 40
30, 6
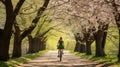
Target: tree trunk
31, 46
44, 45
36, 43
99, 38
104, 42
17, 48
88, 48
6, 33
41, 45
104, 39
77, 47
4, 49
89, 41
17, 41
81, 48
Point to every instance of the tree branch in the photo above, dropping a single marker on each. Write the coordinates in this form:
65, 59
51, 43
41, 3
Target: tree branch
18, 6
45, 32
36, 19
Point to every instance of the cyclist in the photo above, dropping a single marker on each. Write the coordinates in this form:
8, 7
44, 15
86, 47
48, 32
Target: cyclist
60, 45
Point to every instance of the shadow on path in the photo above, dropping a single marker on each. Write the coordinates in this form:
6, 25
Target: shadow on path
51, 60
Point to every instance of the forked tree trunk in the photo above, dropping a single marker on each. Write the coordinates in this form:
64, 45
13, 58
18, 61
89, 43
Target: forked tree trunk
6, 33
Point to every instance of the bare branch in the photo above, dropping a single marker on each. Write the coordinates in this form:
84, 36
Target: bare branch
18, 6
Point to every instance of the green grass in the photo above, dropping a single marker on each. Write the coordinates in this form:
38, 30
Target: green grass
109, 59
17, 61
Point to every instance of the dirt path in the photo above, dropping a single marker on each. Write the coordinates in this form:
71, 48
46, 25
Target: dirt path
50, 59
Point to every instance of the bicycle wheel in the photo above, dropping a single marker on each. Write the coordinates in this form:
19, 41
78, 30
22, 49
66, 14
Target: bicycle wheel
60, 55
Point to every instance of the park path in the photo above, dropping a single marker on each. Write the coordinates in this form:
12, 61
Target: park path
50, 59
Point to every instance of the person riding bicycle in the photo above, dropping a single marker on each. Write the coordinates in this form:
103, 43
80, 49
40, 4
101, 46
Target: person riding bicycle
60, 45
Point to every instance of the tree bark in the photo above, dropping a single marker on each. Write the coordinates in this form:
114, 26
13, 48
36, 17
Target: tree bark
98, 40
6, 33
103, 44
88, 48
104, 39
30, 39
82, 48
89, 39
34, 45
17, 51
17, 42
77, 47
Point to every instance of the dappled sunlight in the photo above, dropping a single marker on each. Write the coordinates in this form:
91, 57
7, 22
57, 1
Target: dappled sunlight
50, 59
14, 62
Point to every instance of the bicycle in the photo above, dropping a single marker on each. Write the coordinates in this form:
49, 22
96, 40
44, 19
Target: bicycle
60, 55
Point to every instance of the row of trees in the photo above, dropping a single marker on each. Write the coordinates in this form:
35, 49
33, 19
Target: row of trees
94, 18
17, 14
10, 22
91, 22
91, 18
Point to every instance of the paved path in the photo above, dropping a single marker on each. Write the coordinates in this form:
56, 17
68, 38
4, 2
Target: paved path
50, 59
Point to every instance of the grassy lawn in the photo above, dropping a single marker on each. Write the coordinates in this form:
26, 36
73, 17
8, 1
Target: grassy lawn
109, 59
17, 61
